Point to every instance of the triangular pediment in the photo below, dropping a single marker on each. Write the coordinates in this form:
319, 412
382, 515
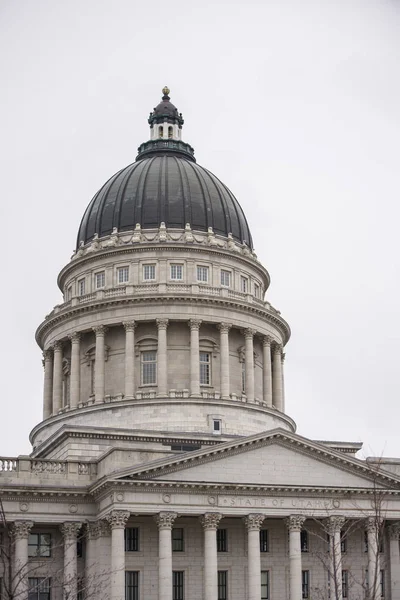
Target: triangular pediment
275, 458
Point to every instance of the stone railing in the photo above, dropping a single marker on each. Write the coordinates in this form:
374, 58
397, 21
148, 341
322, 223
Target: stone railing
24, 466
155, 289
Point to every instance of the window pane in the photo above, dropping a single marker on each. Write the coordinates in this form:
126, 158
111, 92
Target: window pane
225, 278
304, 541
202, 274
264, 585
205, 372
178, 585
244, 284
222, 585
132, 539
177, 539
345, 582
131, 585
305, 580
100, 279
177, 272
123, 274
149, 272
81, 287
222, 540
149, 367
264, 540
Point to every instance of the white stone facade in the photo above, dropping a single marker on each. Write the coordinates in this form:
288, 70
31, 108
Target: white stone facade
166, 467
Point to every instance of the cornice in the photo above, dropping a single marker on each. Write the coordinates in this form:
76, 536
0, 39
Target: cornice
72, 312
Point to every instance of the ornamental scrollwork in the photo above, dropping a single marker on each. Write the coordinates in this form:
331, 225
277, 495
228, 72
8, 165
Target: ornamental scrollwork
129, 325
224, 327
254, 521
21, 529
58, 346
277, 349
100, 330
249, 333
92, 530
70, 530
118, 518
162, 323
210, 520
195, 324
335, 524
267, 340
165, 520
295, 522
75, 337
103, 528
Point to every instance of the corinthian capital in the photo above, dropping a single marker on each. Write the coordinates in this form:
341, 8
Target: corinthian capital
254, 521
118, 518
295, 522
92, 530
165, 520
129, 325
100, 330
394, 531
267, 340
210, 520
224, 327
162, 323
70, 530
58, 346
335, 524
249, 333
277, 348
47, 354
21, 529
75, 337
195, 324
373, 524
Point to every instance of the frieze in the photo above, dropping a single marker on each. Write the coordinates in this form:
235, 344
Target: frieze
279, 503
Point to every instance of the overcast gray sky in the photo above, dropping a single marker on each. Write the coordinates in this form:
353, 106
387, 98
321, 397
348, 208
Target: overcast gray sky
293, 104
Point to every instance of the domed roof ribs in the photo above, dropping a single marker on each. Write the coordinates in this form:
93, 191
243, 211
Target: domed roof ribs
193, 167
223, 207
104, 223
207, 195
234, 206
163, 192
141, 187
187, 207
122, 194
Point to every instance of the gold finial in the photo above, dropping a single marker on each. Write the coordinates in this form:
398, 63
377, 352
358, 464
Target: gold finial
166, 91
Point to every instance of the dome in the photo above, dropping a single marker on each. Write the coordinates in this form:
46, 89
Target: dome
164, 185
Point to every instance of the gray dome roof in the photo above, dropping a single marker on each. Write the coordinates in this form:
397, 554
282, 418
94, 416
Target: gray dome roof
168, 188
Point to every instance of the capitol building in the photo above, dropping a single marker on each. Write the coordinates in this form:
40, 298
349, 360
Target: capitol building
166, 466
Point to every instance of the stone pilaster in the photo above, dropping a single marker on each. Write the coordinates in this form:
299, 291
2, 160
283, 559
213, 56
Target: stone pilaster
48, 383
70, 534
57, 377
334, 527
394, 558
20, 533
117, 520
210, 523
164, 521
277, 397
267, 371
294, 524
130, 359
194, 325
162, 366
249, 365
224, 345
99, 365
75, 378
253, 524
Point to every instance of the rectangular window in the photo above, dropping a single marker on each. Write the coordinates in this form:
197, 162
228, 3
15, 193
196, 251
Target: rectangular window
123, 274
264, 540
225, 278
149, 367
177, 272
243, 377
39, 588
205, 368
177, 539
264, 585
217, 426
100, 280
222, 540
69, 293
345, 584
222, 585
382, 584
178, 585
39, 544
343, 543
132, 539
79, 548
304, 540
202, 274
305, 584
244, 284
149, 272
81, 287
365, 541
257, 290
131, 585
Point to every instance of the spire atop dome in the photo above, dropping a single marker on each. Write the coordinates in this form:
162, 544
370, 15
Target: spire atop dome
166, 92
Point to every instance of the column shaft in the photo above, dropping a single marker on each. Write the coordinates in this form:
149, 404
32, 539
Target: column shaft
91, 558
373, 559
334, 527
165, 521
224, 346
48, 383
129, 359
75, 381
20, 533
194, 357
394, 554
70, 533
294, 524
99, 366
253, 523
57, 378
277, 378
162, 373
249, 365
267, 371
117, 520
210, 524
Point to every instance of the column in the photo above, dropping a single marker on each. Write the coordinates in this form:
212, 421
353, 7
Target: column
277, 377
165, 521
294, 524
249, 365
20, 533
373, 527
194, 325
92, 574
394, 555
57, 378
253, 523
283, 381
162, 373
210, 525
48, 383
130, 359
334, 528
224, 345
267, 371
103, 562
70, 533
75, 377
117, 520
99, 365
